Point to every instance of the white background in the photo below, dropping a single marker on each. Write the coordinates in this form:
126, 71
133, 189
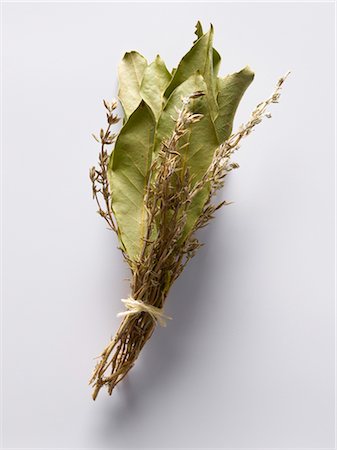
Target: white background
248, 360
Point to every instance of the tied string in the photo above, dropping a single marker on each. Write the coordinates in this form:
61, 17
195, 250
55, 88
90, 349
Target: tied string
137, 306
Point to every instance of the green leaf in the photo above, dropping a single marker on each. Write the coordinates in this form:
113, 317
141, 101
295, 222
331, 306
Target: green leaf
231, 89
128, 172
130, 75
198, 31
199, 58
216, 62
166, 121
203, 142
202, 139
216, 56
155, 80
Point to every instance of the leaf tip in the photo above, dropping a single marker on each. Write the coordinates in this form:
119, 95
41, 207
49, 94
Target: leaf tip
198, 30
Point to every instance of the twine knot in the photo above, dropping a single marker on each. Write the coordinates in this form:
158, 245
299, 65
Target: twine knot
137, 306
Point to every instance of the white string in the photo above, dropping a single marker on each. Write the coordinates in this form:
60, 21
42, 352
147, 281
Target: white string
137, 306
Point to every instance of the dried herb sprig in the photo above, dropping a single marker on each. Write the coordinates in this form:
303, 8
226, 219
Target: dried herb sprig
157, 185
99, 177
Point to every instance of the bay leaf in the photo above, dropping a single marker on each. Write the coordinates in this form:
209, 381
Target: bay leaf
231, 89
216, 62
216, 56
128, 175
169, 114
199, 58
201, 139
130, 75
198, 31
156, 78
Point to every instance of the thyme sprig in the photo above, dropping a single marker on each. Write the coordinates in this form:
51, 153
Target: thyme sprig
99, 177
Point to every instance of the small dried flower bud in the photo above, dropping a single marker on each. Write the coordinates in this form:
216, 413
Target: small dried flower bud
92, 173
113, 119
195, 118
275, 97
107, 105
101, 133
113, 104
234, 165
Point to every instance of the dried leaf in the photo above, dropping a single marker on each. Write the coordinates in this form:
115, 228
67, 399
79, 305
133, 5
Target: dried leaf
201, 139
155, 80
231, 89
127, 173
199, 58
216, 56
130, 75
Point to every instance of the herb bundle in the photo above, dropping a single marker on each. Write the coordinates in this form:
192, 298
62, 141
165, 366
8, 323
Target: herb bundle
157, 186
